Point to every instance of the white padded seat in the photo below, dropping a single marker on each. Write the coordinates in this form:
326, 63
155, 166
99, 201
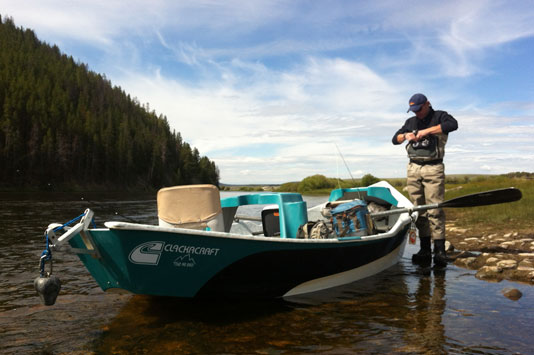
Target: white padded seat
190, 206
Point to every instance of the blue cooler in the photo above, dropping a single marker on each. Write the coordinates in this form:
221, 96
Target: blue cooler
349, 219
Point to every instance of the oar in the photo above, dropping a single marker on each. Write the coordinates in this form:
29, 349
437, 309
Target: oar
492, 197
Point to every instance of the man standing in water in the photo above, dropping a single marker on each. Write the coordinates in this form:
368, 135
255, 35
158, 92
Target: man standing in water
427, 134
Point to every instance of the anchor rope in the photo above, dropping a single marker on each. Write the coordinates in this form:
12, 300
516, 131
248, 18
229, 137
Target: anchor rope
46, 255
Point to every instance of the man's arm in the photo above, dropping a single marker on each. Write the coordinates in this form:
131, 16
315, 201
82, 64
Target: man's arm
401, 137
430, 130
402, 134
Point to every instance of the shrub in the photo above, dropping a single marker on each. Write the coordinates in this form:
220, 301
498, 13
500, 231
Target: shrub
315, 182
288, 187
369, 179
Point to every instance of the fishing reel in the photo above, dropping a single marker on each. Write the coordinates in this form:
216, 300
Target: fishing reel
424, 143
421, 144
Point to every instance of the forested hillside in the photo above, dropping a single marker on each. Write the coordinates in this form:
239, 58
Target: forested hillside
62, 125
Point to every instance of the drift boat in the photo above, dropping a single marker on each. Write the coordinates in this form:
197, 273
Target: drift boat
202, 248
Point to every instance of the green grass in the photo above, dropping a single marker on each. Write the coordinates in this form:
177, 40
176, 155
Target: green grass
517, 216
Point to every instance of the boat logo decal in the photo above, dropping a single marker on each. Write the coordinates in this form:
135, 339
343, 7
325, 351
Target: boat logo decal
147, 253
184, 261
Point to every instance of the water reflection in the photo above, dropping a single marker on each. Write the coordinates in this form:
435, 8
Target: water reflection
378, 314
429, 306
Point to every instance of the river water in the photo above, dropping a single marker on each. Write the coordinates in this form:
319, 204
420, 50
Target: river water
405, 309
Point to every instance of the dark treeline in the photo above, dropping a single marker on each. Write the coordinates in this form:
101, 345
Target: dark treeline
63, 125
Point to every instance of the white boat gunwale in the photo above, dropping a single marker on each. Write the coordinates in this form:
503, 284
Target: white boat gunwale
126, 226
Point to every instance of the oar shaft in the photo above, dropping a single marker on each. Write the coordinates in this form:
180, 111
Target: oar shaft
404, 210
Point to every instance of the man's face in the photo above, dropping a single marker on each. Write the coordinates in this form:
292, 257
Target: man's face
423, 111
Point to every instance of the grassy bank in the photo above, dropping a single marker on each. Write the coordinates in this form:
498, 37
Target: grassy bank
517, 216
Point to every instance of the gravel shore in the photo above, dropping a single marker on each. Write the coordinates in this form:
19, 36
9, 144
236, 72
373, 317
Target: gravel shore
495, 256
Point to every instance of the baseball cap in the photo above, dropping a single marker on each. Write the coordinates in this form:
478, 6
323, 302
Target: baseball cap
416, 101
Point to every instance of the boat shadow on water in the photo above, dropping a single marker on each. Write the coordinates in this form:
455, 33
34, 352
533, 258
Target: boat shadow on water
161, 310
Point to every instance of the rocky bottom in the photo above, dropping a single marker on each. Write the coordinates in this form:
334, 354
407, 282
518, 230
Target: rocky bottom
496, 257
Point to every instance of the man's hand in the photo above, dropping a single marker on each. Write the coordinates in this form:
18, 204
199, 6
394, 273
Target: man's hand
425, 132
421, 134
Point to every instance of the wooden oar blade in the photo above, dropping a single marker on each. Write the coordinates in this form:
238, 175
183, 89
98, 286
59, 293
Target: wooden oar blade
485, 198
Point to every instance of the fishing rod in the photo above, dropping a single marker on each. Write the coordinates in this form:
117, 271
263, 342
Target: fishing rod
342, 158
109, 209
346, 165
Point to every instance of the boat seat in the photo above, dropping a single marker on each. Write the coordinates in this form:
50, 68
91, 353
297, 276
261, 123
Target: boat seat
190, 206
291, 209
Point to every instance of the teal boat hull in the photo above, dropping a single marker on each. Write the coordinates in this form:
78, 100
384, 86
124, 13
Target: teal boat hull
185, 265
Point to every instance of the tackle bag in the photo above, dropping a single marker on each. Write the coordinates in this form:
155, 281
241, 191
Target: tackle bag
314, 230
350, 219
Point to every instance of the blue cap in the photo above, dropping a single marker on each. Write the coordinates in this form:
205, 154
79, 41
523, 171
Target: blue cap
416, 101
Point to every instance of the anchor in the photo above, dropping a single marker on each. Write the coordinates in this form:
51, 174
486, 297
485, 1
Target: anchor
47, 287
46, 284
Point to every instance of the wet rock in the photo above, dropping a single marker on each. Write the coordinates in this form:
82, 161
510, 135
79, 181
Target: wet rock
491, 269
466, 262
507, 245
525, 265
526, 262
491, 261
507, 264
489, 273
512, 293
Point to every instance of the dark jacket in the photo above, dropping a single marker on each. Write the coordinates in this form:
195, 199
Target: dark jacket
448, 123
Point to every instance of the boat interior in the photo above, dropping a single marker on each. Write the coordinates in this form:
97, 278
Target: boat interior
280, 214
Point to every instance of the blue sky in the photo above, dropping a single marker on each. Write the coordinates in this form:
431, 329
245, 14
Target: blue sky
266, 89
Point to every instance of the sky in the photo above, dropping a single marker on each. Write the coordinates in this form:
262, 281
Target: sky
275, 91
